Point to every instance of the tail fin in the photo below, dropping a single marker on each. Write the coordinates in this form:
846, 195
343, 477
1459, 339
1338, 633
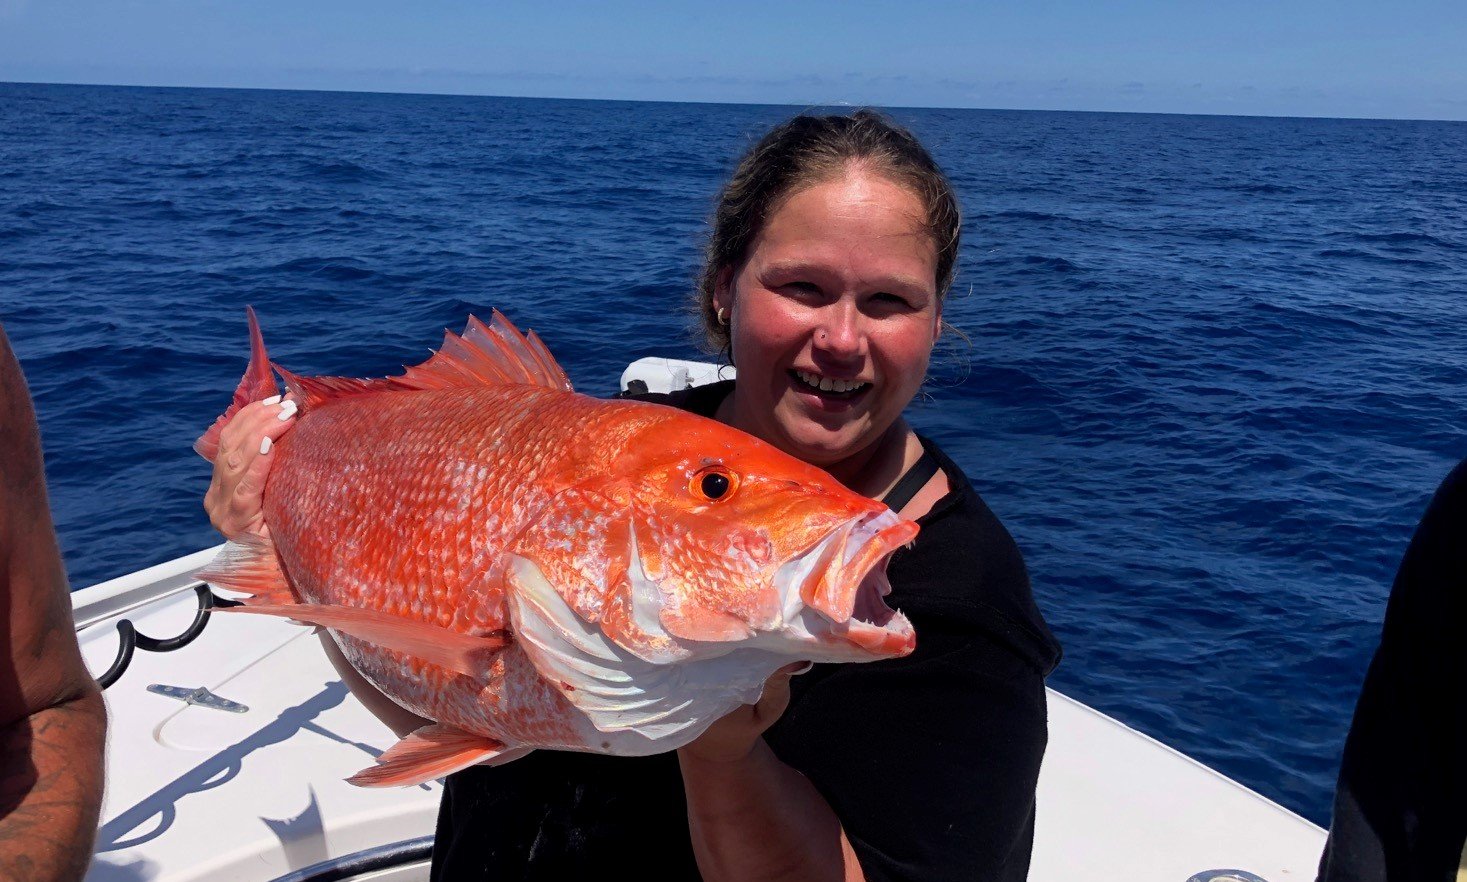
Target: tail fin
257, 383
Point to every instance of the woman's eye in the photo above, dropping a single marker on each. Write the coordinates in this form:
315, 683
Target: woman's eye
891, 299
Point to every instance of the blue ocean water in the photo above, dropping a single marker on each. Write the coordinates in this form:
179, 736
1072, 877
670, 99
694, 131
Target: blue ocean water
1216, 365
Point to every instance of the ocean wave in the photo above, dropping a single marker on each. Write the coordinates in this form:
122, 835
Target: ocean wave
1024, 215
1263, 188
341, 172
340, 269
1301, 319
1424, 240
1039, 264
1374, 257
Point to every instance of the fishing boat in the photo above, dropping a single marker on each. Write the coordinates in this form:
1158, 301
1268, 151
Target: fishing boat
231, 737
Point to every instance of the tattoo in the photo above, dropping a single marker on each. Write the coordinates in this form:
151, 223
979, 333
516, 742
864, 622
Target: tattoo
49, 801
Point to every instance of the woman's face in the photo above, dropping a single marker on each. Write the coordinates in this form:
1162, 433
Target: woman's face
833, 315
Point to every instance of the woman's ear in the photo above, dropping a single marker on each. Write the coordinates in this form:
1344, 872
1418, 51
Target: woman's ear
723, 289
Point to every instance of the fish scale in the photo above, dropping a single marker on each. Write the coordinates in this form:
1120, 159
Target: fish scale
530, 568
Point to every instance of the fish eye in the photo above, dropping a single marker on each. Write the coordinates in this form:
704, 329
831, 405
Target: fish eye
713, 484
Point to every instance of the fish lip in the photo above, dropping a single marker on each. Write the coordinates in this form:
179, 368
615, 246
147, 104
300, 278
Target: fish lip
870, 623
894, 639
848, 582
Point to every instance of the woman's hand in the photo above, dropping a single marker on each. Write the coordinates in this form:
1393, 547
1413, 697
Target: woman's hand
242, 464
734, 735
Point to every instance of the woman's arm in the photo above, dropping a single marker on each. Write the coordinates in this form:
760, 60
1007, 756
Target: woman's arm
396, 717
752, 817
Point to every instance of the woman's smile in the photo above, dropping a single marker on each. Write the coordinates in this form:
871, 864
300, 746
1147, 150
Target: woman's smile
828, 389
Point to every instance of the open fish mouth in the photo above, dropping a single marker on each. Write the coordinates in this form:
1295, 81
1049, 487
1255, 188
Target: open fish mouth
843, 579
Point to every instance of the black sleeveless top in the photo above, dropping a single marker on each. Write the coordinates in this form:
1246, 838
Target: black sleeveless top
929, 761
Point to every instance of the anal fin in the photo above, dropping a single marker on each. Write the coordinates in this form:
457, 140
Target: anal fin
433, 752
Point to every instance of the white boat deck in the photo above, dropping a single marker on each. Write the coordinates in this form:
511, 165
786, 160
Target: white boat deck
1113, 799
196, 793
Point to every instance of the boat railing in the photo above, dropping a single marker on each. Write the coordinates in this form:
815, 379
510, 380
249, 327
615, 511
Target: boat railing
370, 860
115, 598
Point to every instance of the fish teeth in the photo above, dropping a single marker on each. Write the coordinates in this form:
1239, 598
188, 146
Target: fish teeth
826, 384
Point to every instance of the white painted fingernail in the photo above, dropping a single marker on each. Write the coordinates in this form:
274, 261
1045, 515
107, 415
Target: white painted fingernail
287, 410
273, 399
265, 444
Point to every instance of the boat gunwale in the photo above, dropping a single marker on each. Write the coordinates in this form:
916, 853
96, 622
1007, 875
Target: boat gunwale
115, 597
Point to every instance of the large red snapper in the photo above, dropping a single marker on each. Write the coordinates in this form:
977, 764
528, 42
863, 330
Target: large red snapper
534, 568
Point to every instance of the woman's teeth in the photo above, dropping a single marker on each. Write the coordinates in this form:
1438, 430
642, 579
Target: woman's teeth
826, 384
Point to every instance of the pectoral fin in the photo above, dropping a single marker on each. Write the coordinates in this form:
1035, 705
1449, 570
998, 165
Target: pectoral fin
433, 752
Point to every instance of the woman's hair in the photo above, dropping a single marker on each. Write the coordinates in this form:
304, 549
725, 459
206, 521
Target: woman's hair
808, 150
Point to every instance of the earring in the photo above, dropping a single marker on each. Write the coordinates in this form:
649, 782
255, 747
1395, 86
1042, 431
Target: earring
723, 316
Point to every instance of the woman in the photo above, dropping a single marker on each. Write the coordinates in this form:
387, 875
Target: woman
833, 245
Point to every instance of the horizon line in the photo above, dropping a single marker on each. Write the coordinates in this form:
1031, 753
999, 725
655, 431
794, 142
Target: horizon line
721, 103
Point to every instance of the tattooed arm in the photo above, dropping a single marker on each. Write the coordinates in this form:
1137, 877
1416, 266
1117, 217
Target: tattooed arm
52, 720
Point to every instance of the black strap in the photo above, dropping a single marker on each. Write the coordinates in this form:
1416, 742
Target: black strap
915, 479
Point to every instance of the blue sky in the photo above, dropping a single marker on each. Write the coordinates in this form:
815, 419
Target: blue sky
1285, 57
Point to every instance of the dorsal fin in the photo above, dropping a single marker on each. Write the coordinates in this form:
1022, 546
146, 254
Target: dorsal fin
311, 391
256, 384
484, 355
487, 355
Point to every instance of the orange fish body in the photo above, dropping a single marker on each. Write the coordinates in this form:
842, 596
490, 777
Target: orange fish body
533, 568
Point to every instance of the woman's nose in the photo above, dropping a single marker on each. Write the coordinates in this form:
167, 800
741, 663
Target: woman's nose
840, 335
